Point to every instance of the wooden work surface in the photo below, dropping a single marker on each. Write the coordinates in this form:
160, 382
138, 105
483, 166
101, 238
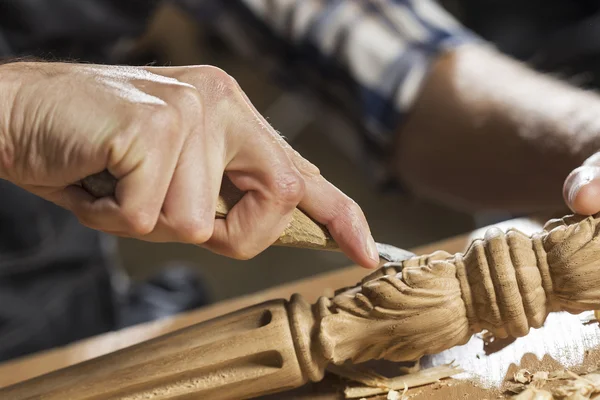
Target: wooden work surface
565, 341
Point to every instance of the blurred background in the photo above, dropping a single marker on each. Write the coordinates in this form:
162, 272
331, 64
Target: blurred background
557, 36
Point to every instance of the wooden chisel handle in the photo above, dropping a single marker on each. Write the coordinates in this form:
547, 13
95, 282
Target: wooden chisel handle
302, 231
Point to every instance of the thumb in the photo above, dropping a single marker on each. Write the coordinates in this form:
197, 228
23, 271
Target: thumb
581, 190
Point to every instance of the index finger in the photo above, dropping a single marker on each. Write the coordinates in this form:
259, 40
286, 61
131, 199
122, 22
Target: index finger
328, 205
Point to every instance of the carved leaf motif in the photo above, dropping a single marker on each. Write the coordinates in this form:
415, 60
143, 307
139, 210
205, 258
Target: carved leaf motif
400, 316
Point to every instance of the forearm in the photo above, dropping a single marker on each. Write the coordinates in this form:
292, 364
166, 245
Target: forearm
486, 132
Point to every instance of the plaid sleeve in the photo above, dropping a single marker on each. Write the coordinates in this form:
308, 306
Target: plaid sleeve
368, 58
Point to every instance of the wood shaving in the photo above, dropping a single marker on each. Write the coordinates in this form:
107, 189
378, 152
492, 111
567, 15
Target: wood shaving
416, 367
395, 395
423, 377
360, 375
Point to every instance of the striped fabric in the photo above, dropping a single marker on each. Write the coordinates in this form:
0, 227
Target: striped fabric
369, 57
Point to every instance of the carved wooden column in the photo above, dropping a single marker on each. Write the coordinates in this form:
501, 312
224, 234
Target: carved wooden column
506, 283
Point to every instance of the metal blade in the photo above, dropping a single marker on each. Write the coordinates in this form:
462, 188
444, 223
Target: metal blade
392, 253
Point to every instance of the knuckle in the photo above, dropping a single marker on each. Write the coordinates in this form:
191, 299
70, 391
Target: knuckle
304, 166
353, 208
189, 97
288, 187
216, 82
139, 222
221, 76
165, 118
194, 230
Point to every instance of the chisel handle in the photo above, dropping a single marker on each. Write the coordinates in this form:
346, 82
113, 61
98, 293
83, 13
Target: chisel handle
302, 231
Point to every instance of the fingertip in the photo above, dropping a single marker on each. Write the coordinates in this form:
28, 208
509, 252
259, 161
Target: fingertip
372, 259
582, 190
370, 264
344, 219
352, 233
362, 259
586, 201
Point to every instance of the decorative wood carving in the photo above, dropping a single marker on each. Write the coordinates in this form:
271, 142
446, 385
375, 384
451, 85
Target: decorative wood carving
506, 283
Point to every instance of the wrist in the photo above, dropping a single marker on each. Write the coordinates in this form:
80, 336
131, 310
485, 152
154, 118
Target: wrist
10, 81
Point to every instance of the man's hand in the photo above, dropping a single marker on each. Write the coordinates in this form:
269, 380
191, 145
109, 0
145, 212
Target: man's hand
582, 187
168, 135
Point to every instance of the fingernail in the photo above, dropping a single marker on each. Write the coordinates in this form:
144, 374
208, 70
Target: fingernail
593, 160
372, 248
583, 176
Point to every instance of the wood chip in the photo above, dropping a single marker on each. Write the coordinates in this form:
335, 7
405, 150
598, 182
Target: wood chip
393, 395
423, 377
565, 385
522, 376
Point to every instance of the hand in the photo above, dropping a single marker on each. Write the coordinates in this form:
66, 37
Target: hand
168, 135
582, 187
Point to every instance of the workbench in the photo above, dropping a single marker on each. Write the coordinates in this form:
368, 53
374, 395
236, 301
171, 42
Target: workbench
565, 341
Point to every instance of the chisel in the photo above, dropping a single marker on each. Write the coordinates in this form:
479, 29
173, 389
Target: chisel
302, 232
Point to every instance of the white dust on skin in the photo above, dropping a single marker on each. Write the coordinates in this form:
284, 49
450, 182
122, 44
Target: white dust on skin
564, 337
132, 83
